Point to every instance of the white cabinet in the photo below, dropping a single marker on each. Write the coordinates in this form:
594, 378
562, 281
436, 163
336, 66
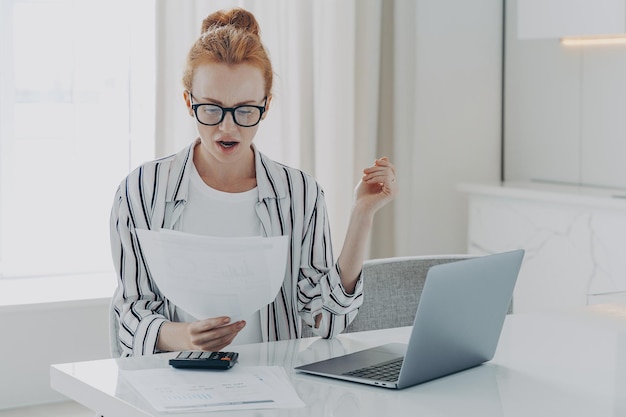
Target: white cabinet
574, 237
564, 109
541, 19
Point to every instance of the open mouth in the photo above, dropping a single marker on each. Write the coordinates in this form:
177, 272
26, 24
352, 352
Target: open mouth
227, 144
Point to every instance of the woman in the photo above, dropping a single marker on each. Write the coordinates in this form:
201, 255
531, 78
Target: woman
221, 185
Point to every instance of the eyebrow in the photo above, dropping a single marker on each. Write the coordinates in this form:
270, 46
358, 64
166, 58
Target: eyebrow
241, 103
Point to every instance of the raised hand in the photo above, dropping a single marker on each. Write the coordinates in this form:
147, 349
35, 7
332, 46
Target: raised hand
377, 187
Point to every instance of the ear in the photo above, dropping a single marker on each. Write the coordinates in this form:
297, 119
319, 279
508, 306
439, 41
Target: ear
187, 98
267, 106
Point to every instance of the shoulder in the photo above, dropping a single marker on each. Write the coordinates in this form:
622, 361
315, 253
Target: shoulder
147, 174
150, 184
155, 173
286, 179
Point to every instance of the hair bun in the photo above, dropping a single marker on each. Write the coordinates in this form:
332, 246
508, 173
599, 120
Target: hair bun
237, 17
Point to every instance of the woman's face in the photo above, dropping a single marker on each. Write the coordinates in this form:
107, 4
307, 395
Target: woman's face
228, 87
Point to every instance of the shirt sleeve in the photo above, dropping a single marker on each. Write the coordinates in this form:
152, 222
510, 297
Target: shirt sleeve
320, 291
137, 303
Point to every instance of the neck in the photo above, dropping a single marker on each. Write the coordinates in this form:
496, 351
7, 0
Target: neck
238, 176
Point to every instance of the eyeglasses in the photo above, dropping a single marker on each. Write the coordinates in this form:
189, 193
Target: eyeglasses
212, 114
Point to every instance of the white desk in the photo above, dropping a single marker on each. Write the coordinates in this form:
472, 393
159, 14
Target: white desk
550, 364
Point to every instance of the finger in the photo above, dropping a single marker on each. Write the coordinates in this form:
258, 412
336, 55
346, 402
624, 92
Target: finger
380, 167
218, 335
210, 323
379, 177
385, 173
214, 345
384, 162
224, 330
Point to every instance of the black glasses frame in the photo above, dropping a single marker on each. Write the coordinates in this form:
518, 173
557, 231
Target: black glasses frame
225, 110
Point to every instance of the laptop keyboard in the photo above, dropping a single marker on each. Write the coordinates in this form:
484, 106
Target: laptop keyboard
388, 371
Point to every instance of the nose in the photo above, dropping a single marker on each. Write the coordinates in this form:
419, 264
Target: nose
228, 123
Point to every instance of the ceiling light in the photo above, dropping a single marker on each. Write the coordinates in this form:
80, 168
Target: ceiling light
594, 40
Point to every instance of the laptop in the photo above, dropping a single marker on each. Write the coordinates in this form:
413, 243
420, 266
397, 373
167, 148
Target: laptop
457, 326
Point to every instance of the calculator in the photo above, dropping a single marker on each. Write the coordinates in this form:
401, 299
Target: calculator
205, 360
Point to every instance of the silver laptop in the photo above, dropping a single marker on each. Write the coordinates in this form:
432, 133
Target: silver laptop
457, 326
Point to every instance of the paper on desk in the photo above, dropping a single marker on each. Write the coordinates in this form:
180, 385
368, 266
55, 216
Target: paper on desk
211, 276
172, 390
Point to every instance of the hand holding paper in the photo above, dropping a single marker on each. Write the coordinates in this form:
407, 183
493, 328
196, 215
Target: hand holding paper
210, 276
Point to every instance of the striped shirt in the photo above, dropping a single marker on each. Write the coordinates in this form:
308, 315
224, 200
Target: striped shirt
290, 203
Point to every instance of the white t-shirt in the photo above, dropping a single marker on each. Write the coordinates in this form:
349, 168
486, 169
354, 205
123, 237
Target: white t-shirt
211, 212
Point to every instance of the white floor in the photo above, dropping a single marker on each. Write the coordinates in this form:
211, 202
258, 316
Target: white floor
66, 409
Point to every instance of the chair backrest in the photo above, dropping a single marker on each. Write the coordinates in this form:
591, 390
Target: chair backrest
392, 290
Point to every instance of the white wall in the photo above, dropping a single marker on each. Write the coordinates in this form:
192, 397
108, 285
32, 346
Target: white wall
35, 336
565, 110
454, 118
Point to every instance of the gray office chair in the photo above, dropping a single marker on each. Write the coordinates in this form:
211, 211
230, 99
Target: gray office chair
392, 289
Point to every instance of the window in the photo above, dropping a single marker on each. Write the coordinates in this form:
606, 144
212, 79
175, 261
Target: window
76, 114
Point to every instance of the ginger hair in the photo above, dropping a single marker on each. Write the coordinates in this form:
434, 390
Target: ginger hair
229, 37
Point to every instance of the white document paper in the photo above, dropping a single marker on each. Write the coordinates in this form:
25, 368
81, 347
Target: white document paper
172, 390
211, 276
